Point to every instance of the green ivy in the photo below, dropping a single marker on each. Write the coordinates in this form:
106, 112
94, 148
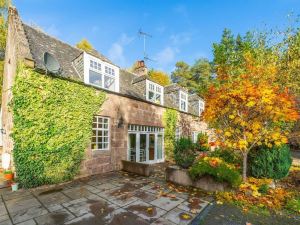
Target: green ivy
169, 121
52, 126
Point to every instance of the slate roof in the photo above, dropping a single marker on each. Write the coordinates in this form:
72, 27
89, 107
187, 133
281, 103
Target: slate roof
67, 56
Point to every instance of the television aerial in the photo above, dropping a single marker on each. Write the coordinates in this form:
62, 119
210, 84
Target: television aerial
145, 35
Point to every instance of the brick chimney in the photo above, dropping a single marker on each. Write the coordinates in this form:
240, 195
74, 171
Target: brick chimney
140, 68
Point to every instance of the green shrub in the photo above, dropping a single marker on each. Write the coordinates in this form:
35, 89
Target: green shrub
271, 163
218, 169
293, 205
52, 126
263, 189
202, 142
227, 155
184, 152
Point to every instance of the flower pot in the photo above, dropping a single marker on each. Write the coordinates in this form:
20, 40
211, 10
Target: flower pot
14, 186
8, 176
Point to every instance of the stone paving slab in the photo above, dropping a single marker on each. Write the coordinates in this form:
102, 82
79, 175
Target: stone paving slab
4, 217
167, 203
146, 211
28, 222
19, 204
176, 216
29, 213
57, 217
114, 199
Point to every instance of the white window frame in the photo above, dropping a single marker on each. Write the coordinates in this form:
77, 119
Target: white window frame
141, 129
201, 109
183, 100
87, 58
101, 129
155, 91
178, 132
195, 136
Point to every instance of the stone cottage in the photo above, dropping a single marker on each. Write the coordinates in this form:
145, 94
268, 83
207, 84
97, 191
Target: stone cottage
130, 124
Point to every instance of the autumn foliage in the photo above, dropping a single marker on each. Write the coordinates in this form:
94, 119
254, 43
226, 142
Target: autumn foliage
250, 110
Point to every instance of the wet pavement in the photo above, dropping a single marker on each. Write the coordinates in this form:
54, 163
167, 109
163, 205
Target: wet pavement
233, 215
116, 198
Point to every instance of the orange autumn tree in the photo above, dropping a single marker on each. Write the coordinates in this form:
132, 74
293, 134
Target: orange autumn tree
250, 110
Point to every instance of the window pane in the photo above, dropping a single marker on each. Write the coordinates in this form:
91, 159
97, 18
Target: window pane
151, 95
132, 147
95, 78
109, 83
159, 146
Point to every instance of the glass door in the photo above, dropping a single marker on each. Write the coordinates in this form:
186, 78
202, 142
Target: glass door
151, 151
132, 147
143, 147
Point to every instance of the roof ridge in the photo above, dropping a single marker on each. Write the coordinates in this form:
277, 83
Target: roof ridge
43, 32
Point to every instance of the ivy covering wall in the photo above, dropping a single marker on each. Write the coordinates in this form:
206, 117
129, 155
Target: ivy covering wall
52, 126
169, 121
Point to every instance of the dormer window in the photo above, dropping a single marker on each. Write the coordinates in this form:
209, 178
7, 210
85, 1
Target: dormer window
183, 101
154, 92
201, 106
101, 74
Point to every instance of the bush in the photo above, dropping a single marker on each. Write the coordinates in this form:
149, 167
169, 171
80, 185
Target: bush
202, 142
271, 163
228, 155
293, 205
184, 152
218, 169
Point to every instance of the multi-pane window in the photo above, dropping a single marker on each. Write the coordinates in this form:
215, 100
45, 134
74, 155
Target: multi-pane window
201, 107
183, 101
195, 136
154, 92
104, 79
177, 133
100, 138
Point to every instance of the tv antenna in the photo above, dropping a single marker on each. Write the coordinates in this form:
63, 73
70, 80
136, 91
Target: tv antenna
145, 35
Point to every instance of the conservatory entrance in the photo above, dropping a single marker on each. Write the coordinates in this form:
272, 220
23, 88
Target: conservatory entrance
145, 144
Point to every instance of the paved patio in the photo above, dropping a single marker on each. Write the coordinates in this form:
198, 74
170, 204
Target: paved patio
113, 198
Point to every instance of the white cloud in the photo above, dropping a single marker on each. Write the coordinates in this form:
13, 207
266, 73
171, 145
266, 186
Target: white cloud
116, 54
116, 51
166, 56
180, 38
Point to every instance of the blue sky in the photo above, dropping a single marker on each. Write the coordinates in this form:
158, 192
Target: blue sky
181, 30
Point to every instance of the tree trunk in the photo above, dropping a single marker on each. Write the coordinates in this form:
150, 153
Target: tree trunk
245, 157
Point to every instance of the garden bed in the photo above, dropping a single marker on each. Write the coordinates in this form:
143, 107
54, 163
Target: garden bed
138, 168
180, 176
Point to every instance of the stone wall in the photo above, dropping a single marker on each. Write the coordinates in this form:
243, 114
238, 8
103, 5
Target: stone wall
17, 48
130, 111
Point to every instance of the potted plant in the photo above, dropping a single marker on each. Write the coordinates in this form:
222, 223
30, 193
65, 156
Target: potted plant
8, 175
14, 185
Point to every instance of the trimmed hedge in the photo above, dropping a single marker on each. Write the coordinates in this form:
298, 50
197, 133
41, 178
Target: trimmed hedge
270, 162
52, 126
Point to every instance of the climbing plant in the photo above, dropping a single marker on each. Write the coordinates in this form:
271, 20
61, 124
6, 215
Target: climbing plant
169, 121
52, 126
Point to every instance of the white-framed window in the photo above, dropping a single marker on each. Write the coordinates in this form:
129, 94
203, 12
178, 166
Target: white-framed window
100, 138
194, 136
183, 101
177, 133
201, 107
101, 74
154, 92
